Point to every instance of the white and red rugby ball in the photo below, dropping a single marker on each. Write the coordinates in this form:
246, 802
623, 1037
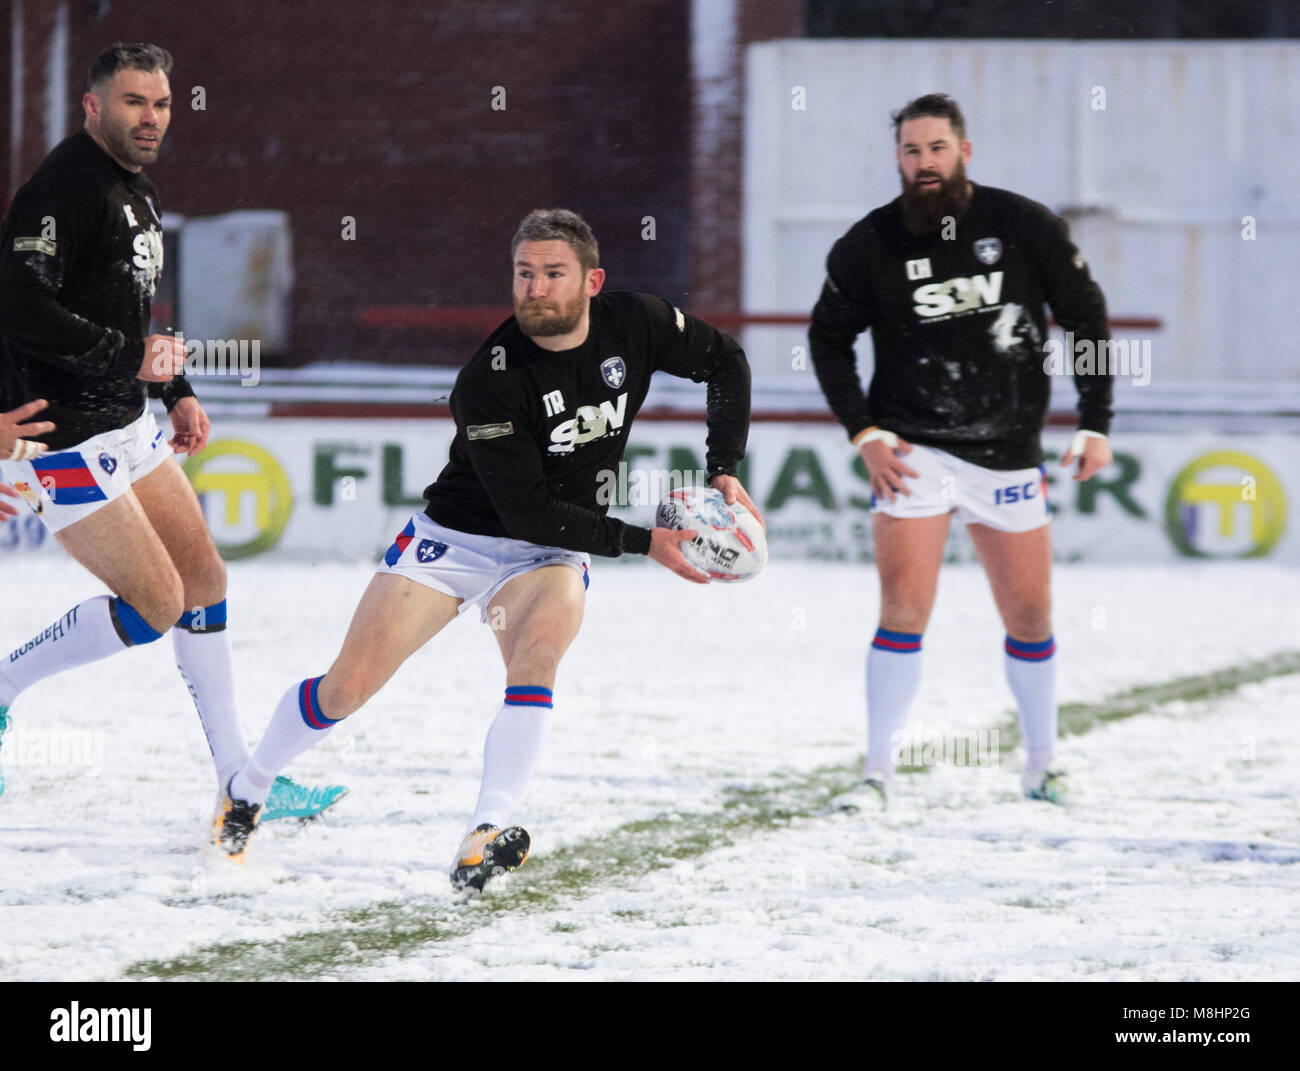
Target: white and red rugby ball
731, 544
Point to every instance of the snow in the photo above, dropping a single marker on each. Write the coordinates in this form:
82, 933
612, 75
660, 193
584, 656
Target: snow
717, 716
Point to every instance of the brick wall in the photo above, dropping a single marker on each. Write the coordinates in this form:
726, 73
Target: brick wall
37, 22
382, 111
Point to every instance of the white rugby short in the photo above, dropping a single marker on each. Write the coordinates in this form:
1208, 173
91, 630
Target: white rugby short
61, 488
472, 568
1010, 500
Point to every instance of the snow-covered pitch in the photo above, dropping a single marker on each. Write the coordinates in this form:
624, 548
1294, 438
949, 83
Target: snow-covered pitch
679, 817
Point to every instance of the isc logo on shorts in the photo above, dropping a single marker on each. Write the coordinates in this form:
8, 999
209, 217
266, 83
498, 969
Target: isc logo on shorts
1004, 496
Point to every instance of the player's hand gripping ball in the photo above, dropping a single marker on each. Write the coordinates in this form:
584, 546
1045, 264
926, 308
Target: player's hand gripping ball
731, 544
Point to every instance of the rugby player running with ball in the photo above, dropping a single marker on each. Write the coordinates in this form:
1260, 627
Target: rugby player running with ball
542, 411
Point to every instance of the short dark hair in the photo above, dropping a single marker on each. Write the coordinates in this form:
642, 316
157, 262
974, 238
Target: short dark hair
136, 57
934, 106
551, 224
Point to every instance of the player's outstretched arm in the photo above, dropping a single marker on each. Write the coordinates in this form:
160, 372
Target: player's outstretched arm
691, 348
666, 549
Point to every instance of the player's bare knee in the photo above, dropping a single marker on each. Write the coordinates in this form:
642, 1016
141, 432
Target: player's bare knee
904, 615
162, 603
341, 693
170, 608
536, 663
1031, 624
549, 646
205, 584
160, 609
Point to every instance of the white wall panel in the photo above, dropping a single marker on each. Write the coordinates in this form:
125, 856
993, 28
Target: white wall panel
1193, 137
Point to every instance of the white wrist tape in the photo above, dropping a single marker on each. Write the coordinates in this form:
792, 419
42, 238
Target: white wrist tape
1080, 438
886, 437
25, 450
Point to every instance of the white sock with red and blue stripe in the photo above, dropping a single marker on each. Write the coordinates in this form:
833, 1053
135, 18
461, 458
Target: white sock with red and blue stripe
510, 752
893, 676
297, 724
95, 629
202, 648
1031, 673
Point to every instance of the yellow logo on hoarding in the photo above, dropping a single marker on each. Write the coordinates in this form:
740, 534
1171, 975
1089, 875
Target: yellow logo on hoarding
238, 475
1225, 504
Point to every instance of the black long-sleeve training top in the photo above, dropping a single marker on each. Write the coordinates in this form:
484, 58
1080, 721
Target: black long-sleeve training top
81, 254
538, 433
958, 328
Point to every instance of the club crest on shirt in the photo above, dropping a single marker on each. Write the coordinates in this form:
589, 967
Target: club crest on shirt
430, 550
989, 250
108, 463
613, 371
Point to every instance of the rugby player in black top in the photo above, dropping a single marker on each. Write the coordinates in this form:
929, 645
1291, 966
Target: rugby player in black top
80, 257
542, 412
951, 278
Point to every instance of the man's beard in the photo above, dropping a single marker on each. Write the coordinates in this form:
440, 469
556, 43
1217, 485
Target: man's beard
924, 210
123, 146
545, 319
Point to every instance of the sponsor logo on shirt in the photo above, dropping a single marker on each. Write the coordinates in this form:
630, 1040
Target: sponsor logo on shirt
959, 295
489, 431
148, 249
919, 269
589, 423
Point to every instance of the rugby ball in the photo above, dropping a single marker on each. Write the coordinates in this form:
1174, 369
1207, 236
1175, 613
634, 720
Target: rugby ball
731, 544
